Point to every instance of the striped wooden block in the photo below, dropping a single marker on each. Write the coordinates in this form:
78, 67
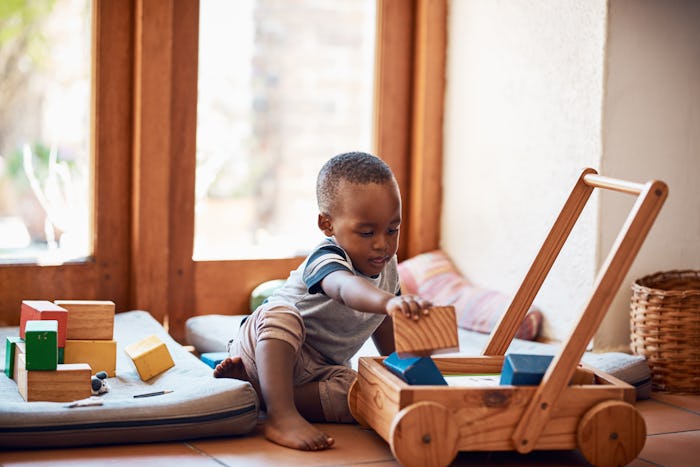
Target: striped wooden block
64, 384
435, 332
89, 319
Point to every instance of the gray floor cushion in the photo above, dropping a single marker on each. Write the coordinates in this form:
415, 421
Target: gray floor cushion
200, 405
211, 333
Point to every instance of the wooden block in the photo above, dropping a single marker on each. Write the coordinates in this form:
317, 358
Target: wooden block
27, 312
65, 384
10, 346
44, 310
415, 370
20, 351
89, 319
433, 333
101, 355
151, 356
40, 339
524, 370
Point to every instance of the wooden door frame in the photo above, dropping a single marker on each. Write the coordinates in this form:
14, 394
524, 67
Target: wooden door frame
409, 103
408, 135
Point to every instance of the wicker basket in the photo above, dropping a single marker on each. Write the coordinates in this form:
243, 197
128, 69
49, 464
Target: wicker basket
666, 328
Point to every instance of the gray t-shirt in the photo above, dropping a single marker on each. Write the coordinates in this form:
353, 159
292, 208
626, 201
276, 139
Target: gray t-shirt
334, 330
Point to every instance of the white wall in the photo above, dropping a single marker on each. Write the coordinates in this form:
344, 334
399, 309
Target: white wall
652, 130
522, 119
532, 98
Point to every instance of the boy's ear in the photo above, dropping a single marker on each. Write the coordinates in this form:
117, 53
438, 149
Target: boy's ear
325, 224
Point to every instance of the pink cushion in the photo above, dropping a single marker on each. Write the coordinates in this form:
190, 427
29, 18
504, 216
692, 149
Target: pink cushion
433, 276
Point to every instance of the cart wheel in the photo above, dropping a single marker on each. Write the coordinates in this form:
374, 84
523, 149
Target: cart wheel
612, 433
353, 396
424, 435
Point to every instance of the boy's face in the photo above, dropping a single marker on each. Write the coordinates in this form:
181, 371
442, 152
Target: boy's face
365, 223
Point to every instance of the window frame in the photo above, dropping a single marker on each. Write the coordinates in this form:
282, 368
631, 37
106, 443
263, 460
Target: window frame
105, 274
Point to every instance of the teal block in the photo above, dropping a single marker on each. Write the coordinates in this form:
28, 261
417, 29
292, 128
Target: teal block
10, 346
524, 370
61, 352
213, 358
41, 345
415, 370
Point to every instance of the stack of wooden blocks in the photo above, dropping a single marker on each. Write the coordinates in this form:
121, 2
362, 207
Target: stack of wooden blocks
90, 334
60, 346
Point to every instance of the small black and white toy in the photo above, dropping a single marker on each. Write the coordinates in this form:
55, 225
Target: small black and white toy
99, 383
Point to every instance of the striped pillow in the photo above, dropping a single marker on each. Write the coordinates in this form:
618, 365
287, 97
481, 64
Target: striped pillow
433, 276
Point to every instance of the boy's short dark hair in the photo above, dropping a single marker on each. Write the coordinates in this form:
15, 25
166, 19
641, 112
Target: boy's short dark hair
355, 167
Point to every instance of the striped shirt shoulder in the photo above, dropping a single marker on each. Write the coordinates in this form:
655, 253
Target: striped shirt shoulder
325, 259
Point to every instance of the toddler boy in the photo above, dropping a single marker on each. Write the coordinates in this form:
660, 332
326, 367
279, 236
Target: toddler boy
296, 347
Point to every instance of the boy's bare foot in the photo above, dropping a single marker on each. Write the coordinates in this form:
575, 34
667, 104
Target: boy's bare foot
293, 431
232, 367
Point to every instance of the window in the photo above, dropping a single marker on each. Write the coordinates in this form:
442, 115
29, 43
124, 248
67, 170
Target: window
144, 65
45, 168
283, 86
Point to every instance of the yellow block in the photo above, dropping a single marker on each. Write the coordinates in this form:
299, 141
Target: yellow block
69, 382
89, 319
100, 355
151, 356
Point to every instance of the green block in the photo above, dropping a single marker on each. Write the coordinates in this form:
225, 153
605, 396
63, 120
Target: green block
10, 345
41, 345
60, 354
263, 291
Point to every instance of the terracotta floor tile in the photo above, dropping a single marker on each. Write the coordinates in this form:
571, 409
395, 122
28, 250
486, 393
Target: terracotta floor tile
641, 463
515, 459
663, 418
673, 426
353, 446
356, 446
686, 401
673, 450
382, 464
137, 455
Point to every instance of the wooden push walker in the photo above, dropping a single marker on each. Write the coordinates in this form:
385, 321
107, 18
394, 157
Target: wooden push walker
573, 407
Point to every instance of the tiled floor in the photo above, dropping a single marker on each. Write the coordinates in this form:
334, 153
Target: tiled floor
673, 440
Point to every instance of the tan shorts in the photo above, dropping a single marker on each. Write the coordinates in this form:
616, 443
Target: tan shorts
287, 325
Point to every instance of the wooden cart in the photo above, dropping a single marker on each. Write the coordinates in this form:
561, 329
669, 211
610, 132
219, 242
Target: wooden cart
428, 425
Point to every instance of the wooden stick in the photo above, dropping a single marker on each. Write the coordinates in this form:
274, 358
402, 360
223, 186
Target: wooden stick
599, 181
612, 273
508, 325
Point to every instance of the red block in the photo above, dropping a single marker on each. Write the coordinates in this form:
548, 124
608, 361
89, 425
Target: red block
44, 309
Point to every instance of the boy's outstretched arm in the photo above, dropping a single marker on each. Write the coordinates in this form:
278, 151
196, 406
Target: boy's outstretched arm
358, 294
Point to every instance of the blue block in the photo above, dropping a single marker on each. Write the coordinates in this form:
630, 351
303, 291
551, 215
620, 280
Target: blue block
415, 370
213, 358
524, 370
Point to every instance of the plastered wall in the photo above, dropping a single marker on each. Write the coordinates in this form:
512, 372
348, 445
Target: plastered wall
537, 91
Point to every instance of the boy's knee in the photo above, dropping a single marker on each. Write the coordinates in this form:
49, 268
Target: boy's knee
334, 396
281, 324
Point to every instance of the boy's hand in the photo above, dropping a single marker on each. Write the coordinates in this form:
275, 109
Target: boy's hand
411, 306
